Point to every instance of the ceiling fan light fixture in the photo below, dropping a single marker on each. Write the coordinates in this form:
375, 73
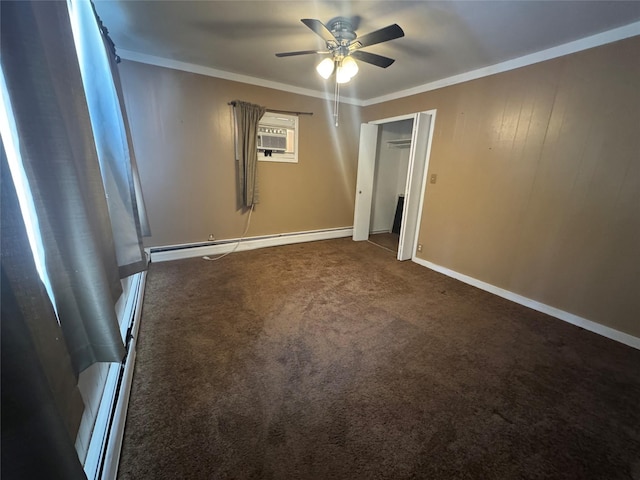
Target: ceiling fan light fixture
340, 41
342, 76
325, 68
350, 66
347, 69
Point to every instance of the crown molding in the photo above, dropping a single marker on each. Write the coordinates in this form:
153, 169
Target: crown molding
235, 77
585, 43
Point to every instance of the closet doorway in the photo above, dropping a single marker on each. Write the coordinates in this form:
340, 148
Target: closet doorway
392, 168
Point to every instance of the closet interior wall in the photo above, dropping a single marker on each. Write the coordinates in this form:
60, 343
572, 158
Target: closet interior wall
390, 178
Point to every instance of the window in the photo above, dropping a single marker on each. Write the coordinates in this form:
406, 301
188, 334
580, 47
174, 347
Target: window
278, 138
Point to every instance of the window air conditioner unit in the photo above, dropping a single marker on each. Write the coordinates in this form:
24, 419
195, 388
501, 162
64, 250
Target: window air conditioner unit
272, 138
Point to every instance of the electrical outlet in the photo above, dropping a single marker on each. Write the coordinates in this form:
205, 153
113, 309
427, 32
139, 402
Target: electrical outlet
433, 178
211, 237
419, 247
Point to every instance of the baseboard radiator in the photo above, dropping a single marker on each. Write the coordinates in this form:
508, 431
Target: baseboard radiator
177, 252
103, 454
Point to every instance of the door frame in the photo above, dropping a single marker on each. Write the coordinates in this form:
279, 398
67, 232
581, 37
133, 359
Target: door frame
412, 166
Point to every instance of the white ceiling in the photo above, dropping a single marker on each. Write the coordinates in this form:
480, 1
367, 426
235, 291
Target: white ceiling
442, 38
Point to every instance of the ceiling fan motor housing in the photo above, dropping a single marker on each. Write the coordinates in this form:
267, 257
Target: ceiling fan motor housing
342, 29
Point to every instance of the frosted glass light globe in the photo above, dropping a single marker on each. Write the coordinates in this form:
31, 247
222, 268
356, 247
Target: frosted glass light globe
350, 66
325, 68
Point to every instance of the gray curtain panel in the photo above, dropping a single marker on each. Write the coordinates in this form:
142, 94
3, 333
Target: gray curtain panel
41, 404
141, 209
112, 143
58, 153
248, 117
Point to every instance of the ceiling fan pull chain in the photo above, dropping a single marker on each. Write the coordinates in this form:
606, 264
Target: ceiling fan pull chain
336, 103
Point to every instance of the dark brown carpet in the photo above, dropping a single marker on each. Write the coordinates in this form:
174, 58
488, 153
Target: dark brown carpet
332, 360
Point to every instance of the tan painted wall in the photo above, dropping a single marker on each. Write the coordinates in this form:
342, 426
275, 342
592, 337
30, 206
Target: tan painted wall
538, 188
183, 137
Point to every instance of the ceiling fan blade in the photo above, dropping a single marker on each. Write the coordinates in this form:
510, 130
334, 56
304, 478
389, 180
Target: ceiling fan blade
372, 58
319, 28
383, 35
302, 52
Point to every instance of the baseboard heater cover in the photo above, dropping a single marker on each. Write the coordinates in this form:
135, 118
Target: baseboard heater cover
106, 456
176, 252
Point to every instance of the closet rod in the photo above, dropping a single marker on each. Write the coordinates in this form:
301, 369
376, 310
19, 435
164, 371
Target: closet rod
287, 112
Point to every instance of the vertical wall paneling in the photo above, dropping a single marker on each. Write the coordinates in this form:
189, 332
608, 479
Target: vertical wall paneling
539, 182
182, 131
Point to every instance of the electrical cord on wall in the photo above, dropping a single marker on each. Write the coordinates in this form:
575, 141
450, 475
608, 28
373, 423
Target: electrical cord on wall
237, 244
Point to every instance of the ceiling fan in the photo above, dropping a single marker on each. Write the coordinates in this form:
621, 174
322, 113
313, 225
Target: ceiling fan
342, 43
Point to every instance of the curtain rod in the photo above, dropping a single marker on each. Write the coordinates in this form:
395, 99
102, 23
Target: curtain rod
287, 112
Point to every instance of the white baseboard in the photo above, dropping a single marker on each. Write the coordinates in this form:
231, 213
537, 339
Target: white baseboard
177, 252
590, 325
